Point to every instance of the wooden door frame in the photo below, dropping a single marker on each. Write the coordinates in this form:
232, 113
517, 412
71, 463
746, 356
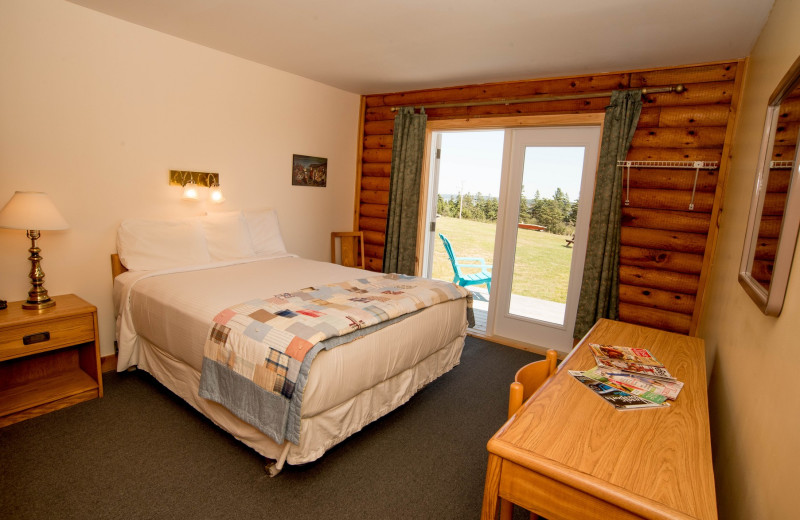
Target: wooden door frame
485, 123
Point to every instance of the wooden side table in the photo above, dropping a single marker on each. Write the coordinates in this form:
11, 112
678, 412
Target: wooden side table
49, 359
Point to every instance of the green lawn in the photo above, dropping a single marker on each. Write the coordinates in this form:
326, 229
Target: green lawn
541, 265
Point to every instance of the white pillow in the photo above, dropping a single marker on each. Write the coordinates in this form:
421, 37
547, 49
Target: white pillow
146, 245
227, 236
265, 233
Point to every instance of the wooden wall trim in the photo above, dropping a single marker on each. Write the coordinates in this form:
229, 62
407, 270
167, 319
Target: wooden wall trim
359, 156
719, 196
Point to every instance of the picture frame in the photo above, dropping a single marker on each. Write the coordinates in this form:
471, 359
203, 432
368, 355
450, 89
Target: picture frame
309, 171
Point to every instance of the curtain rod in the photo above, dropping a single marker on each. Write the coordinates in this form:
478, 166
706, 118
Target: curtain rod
657, 90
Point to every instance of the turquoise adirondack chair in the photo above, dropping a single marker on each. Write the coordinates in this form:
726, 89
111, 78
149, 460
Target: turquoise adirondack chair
483, 277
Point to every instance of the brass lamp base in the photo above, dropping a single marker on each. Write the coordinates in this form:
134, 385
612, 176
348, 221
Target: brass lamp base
39, 305
37, 297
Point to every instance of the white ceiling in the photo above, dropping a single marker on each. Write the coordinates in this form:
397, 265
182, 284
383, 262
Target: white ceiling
377, 46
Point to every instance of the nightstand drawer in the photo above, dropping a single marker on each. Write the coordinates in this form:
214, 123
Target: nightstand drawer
45, 335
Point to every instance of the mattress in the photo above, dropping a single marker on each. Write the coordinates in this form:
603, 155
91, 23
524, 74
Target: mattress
164, 318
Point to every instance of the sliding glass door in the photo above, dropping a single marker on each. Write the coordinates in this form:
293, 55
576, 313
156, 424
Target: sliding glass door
545, 205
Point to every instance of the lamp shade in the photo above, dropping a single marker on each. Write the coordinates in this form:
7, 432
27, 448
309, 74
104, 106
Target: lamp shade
31, 210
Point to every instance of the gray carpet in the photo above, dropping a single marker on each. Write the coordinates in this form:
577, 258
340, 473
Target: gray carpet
140, 452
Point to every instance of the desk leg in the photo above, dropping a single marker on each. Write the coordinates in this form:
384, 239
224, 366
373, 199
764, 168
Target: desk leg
491, 488
506, 509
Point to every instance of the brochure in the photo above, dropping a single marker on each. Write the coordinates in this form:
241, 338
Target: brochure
629, 384
637, 361
615, 397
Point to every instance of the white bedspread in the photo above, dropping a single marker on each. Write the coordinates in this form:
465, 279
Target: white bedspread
173, 309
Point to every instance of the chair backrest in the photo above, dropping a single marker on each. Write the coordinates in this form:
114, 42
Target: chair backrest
449, 249
350, 241
529, 378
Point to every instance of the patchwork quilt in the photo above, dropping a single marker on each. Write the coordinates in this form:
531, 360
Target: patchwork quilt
258, 353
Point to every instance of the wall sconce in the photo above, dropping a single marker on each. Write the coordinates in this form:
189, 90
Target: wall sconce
216, 194
189, 191
191, 181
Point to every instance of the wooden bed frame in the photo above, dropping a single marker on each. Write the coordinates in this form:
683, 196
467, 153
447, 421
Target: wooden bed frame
116, 266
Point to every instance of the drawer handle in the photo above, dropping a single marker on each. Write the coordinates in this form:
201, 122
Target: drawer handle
30, 339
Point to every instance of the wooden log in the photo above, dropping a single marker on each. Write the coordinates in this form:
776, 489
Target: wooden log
790, 110
372, 224
660, 239
658, 299
668, 199
660, 259
774, 204
374, 264
786, 133
375, 238
778, 180
571, 106
766, 248
688, 221
706, 137
374, 210
655, 318
375, 183
783, 153
701, 115
674, 154
377, 156
378, 141
511, 89
374, 197
670, 179
770, 226
376, 169
713, 93
379, 127
649, 117
374, 100
659, 279
693, 74
373, 251
761, 271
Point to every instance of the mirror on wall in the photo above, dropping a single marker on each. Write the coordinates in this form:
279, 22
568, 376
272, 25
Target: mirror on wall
775, 208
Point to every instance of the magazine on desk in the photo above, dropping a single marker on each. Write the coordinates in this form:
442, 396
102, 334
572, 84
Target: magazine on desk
615, 397
654, 390
638, 361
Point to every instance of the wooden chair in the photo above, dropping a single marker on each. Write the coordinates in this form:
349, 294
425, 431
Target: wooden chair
350, 241
527, 380
483, 277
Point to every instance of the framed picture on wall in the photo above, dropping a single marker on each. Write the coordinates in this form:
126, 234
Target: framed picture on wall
309, 171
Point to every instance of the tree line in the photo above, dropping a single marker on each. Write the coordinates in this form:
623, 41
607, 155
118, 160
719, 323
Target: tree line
558, 214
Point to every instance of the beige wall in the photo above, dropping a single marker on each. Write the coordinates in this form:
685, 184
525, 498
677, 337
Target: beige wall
755, 359
95, 112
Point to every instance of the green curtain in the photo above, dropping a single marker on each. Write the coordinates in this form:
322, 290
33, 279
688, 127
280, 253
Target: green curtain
600, 288
399, 254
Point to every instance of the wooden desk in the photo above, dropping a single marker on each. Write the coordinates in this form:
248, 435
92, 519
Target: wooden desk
568, 454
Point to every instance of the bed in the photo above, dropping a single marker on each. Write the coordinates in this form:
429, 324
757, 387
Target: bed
165, 310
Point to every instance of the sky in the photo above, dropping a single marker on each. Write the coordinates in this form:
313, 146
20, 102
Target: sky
473, 159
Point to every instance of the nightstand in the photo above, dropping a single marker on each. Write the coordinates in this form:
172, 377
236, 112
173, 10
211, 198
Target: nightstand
49, 359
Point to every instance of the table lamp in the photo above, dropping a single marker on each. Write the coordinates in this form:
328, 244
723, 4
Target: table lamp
33, 211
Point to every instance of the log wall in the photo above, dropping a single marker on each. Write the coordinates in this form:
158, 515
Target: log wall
666, 248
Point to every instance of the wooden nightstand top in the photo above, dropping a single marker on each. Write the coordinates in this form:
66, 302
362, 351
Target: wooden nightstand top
66, 305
